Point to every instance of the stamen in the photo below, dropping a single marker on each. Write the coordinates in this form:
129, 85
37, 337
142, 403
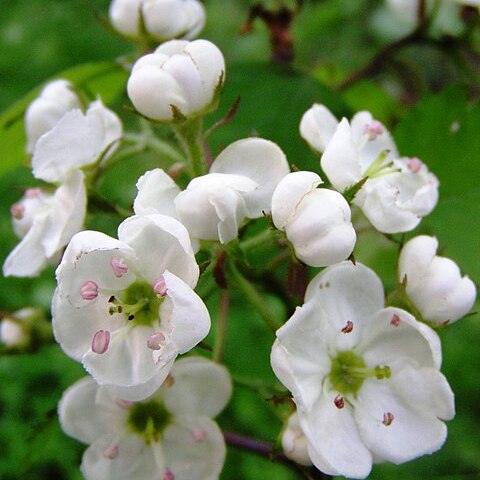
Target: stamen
199, 435
17, 210
339, 401
168, 475
415, 164
348, 327
395, 320
111, 452
119, 268
379, 166
33, 193
388, 418
154, 340
373, 130
382, 372
89, 290
160, 287
100, 341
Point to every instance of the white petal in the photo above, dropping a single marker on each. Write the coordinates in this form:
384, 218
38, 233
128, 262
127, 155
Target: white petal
399, 343
415, 257
425, 389
161, 243
156, 192
67, 215
294, 442
341, 162
260, 160
135, 460
28, 258
124, 15
76, 141
334, 443
317, 126
346, 293
289, 193
127, 362
412, 433
82, 418
191, 459
300, 357
200, 388
183, 314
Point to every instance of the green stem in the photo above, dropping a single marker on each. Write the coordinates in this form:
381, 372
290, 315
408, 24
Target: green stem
222, 323
255, 299
190, 136
150, 141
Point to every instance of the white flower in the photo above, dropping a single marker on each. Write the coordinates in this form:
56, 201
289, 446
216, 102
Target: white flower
45, 222
169, 436
126, 307
162, 19
240, 185
179, 76
365, 378
434, 284
294, 442
317, 126
56, 99
78, 140
315, 220
398, 192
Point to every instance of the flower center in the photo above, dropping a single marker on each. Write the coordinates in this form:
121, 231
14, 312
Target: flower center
138, 302
349, 371
149, 419
380, 166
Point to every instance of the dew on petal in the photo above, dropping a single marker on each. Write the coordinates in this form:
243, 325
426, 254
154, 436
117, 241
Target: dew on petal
160, 287
388, 418
17, 210
414, 164
395, 320
119, 268
373, 130
100, 341
339, 401
89, 290
154, 340
168, 475
111, 452
199, 435
348, 327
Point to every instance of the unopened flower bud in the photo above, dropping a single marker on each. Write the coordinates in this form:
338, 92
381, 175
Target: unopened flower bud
434, 284
179, 79
161, 19
294, 442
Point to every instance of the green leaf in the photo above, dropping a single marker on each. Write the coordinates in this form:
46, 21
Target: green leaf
106, 79
272, 102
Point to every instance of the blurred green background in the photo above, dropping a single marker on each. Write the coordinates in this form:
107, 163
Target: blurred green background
435, 119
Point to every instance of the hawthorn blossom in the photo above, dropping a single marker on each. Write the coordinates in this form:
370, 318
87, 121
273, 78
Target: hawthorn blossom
78, 140
168, 436
240, 185
125, 308
179, 78
365, 379
159, 19
398, 192
316, 220
294, 442
45, 222
434, 284
55, 99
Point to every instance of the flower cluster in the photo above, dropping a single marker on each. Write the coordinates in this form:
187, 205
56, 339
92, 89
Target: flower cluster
364, 378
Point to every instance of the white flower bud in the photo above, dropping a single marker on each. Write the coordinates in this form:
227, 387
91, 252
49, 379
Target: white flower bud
11, 333
434, 284
317, 126
294, 442
316, 221
162, 19
179, 75
57, 98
